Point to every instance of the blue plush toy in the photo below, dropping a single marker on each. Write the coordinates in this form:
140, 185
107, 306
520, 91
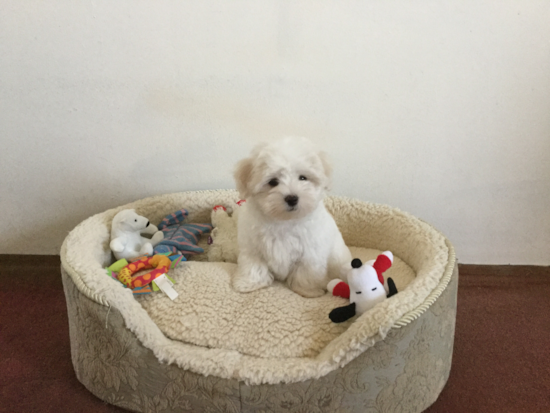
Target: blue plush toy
180, 238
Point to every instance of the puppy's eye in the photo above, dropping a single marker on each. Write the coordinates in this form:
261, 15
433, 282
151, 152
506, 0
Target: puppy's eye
303, 178
273, 183
135, 220
358, 292
374, 289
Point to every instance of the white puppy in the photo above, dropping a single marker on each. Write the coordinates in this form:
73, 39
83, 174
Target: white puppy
284, 230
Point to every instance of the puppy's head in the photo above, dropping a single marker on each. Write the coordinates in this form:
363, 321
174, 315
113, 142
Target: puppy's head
286, 179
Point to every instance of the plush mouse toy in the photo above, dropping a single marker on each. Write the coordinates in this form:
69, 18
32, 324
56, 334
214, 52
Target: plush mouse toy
366, 287
126, 240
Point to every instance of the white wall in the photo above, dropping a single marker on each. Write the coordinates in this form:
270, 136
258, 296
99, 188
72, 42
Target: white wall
439, 108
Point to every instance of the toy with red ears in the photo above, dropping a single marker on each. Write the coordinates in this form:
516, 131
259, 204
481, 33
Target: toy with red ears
366, 287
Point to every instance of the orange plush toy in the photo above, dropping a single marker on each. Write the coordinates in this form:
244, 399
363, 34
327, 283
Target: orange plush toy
160, 263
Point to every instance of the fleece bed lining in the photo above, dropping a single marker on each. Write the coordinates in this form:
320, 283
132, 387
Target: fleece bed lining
270, 322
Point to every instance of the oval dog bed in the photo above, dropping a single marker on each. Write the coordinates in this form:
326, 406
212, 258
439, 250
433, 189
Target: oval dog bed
212, 349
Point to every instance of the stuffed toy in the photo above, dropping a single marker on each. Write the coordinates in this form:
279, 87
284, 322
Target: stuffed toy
366, 287
140, 283
223, 239
180, 238
126, 240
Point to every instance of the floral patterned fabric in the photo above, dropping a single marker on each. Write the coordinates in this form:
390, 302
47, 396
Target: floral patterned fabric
405, 372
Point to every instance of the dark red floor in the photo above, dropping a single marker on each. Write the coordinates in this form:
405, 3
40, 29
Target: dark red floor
501, 360
501, 357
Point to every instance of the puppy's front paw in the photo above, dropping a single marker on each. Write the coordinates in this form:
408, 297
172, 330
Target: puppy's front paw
244, 285
247, 279
309, 292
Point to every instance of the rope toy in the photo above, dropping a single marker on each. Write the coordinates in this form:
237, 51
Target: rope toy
160, 263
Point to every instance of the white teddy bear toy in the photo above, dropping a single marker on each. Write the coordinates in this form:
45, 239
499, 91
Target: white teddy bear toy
126, 239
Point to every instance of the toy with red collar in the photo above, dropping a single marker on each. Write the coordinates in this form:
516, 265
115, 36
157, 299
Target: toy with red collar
223, 238
366, 287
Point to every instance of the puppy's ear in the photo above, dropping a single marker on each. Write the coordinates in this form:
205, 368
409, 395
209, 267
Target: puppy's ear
327, 169
242, 175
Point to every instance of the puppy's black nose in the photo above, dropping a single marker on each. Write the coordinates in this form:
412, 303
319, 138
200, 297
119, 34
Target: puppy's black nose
291, 200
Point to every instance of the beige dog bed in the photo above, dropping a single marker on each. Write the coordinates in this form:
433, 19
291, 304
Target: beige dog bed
271, 350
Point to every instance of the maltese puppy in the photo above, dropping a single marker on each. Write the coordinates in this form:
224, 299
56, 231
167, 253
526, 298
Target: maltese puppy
285, 232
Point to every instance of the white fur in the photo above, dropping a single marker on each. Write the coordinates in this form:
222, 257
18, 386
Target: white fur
126, 241
301, 244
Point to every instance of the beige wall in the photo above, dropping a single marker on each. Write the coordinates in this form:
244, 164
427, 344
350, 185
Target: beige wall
439, 108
